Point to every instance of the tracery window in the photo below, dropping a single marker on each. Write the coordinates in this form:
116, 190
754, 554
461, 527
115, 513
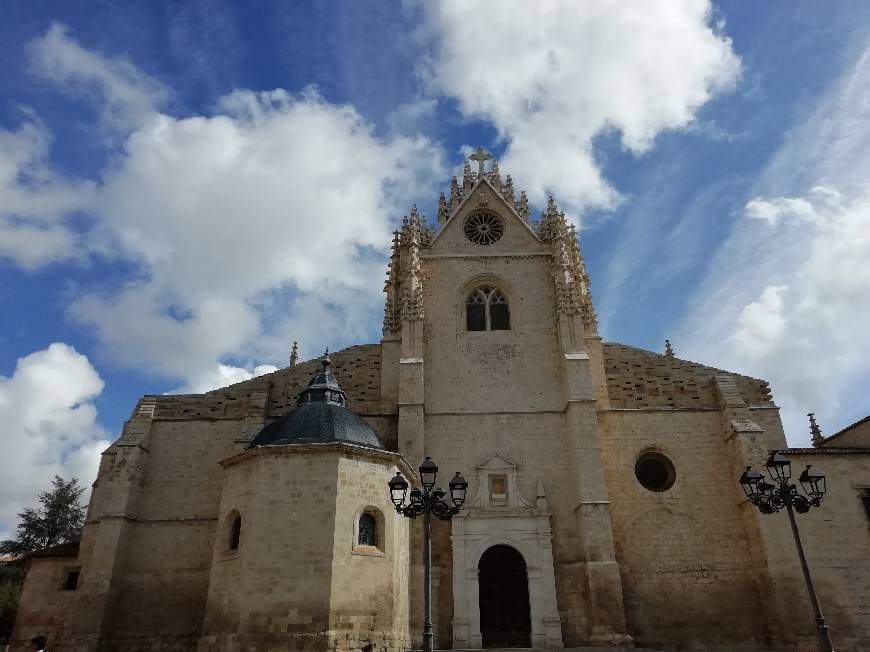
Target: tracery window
484, 228
367, 530
486, 309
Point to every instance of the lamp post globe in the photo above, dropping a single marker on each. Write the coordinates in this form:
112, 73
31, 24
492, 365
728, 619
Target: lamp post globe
428, 473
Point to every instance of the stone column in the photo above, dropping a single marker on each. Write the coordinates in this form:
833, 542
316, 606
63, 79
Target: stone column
412, 447
592, 511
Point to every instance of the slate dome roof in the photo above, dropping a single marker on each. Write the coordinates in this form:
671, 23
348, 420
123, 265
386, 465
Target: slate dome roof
320, 417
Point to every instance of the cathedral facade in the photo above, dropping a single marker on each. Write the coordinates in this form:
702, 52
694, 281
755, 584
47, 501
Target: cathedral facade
603, 506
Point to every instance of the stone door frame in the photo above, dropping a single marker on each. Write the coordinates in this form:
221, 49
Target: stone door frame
514, 522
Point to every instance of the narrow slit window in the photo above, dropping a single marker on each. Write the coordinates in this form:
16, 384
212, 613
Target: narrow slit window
865, 498
486, 309
235, 533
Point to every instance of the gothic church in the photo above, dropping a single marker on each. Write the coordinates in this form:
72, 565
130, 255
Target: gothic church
603, 506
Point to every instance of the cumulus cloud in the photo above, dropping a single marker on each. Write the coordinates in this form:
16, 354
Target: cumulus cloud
49, 427
125, 94
35, 201
273, 200
788, 297
221, 376
552, 78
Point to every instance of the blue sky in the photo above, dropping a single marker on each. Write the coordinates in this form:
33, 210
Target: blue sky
188, 187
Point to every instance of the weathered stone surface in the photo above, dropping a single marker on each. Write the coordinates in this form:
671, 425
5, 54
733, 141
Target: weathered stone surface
694, 567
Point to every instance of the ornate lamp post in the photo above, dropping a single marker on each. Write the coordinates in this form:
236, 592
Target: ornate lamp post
770, 498
428, 500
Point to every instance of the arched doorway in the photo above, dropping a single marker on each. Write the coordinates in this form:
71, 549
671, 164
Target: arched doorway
504, 598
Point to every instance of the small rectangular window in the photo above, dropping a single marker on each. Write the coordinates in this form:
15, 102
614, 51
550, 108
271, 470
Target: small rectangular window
71, 581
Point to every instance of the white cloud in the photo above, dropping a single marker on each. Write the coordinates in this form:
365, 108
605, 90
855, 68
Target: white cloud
761, 324
788, 297
551, 78
34, 200
126, 95
273, 199
49, 427
221, 376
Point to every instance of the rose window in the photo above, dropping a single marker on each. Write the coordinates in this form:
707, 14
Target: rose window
484, 228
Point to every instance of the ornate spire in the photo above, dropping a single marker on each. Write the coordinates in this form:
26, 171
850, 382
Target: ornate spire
569, 270
815, 431
443, 211
494, 175
669, 350
455, 194
404, 277
507, 190
392, 316
294, 354
522, 206
468, 177
415, 228
553, 223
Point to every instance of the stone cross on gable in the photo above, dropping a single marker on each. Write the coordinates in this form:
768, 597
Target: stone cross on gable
481, 157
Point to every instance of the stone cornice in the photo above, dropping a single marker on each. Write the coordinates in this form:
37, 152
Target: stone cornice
337, 447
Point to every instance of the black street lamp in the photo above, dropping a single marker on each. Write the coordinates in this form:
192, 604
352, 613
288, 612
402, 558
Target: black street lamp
771, 498
427, 500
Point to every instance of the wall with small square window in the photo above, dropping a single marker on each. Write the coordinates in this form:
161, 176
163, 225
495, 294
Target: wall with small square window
71, 578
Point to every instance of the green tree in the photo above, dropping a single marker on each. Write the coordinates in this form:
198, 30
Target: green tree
58, 520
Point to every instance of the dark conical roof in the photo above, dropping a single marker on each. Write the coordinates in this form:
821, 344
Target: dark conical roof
320, 417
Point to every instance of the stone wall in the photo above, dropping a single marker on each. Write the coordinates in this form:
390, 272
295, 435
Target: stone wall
45, 608
688, 575
297, 580
277, 583
369, 601
836, 538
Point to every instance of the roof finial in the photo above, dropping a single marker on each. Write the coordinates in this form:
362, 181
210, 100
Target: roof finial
325, 360
669, 350
481, 157
294, 354
815, 431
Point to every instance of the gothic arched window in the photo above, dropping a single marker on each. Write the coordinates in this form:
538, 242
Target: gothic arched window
368, 526
486, 309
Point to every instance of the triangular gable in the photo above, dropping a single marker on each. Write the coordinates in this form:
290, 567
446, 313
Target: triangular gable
496, 462
498, 203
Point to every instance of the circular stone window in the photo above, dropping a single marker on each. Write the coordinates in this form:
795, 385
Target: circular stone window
655, 472
484, 228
